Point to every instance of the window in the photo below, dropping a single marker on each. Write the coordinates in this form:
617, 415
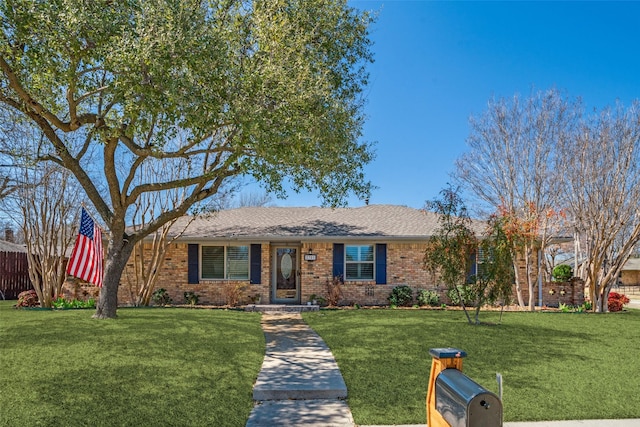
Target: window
481, 258
359, 262
225, 262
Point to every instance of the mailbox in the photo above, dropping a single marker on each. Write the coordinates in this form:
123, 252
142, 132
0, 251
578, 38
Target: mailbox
455, 400
463, 402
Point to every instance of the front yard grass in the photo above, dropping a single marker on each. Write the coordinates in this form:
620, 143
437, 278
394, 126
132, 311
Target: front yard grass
150, 367
186, 367
556, 366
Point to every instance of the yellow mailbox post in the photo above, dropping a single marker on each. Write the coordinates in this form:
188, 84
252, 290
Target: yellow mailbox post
442, 358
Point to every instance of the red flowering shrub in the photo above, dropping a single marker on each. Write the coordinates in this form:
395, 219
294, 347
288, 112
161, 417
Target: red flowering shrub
616, 301
28, 299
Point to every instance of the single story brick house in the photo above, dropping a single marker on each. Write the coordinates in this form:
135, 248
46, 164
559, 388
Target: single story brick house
630, 274
286, 255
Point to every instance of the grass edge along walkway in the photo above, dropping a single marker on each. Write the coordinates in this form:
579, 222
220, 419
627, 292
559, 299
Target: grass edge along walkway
556, 366
179, 367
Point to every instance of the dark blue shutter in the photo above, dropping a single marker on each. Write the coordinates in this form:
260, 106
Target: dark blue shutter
256, 264
473, 266
338, 260
381, 264
193, 275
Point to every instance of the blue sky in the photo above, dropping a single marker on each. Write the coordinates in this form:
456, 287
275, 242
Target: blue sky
437, 63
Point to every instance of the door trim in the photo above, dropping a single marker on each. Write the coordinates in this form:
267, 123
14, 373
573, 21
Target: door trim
295, 298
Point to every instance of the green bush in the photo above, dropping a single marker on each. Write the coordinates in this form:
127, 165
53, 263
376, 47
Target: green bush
60, 302
161, 297
468, 296
191, 298
562, 273
426, 297
401, 296
318, 299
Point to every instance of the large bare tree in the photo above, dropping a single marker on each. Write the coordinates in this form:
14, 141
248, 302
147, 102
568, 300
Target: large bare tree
149, 254
601, 181
44, 201
511, 167
48, 203
267, 88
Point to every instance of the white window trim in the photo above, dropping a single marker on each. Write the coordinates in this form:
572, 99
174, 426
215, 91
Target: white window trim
225, 278
373, 262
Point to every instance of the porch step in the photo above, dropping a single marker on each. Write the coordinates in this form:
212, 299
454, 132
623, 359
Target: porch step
281, 308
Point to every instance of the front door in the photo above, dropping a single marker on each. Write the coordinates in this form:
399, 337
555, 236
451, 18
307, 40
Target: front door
285, 282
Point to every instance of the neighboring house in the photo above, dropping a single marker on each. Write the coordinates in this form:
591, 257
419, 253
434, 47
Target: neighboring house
6, 246
630, 274
287, 255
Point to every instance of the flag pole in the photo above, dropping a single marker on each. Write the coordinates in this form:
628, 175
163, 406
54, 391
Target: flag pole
84, 206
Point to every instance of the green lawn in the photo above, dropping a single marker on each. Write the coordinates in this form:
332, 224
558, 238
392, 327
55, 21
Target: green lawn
186, 367
150, 367
555, 365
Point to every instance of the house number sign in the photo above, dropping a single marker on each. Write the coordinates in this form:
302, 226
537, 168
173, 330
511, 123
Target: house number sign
310, 257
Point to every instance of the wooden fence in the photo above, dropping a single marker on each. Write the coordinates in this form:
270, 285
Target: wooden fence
14, 274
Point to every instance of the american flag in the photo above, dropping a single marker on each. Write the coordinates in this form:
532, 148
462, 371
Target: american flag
86, 259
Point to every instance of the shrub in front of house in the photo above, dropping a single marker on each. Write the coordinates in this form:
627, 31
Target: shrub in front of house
28, 299
233, 292
466, 292
616, 301
161, 297
191, 298
401, 296
334, 291
61, 303
426, 297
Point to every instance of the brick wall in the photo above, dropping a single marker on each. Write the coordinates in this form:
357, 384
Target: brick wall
554, 293
173, 278
404, 266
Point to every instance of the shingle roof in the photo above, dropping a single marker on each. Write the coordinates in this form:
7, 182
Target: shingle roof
367, 222
632, 264
11, 247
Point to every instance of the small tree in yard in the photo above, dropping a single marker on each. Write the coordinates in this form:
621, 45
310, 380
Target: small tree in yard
494, 278
449, 252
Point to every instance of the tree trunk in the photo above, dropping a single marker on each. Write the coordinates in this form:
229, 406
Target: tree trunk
530, 282
516, 272
116, 260
464, 308
477, 313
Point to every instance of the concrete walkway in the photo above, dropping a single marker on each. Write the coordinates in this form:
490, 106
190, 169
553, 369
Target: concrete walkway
300, 383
